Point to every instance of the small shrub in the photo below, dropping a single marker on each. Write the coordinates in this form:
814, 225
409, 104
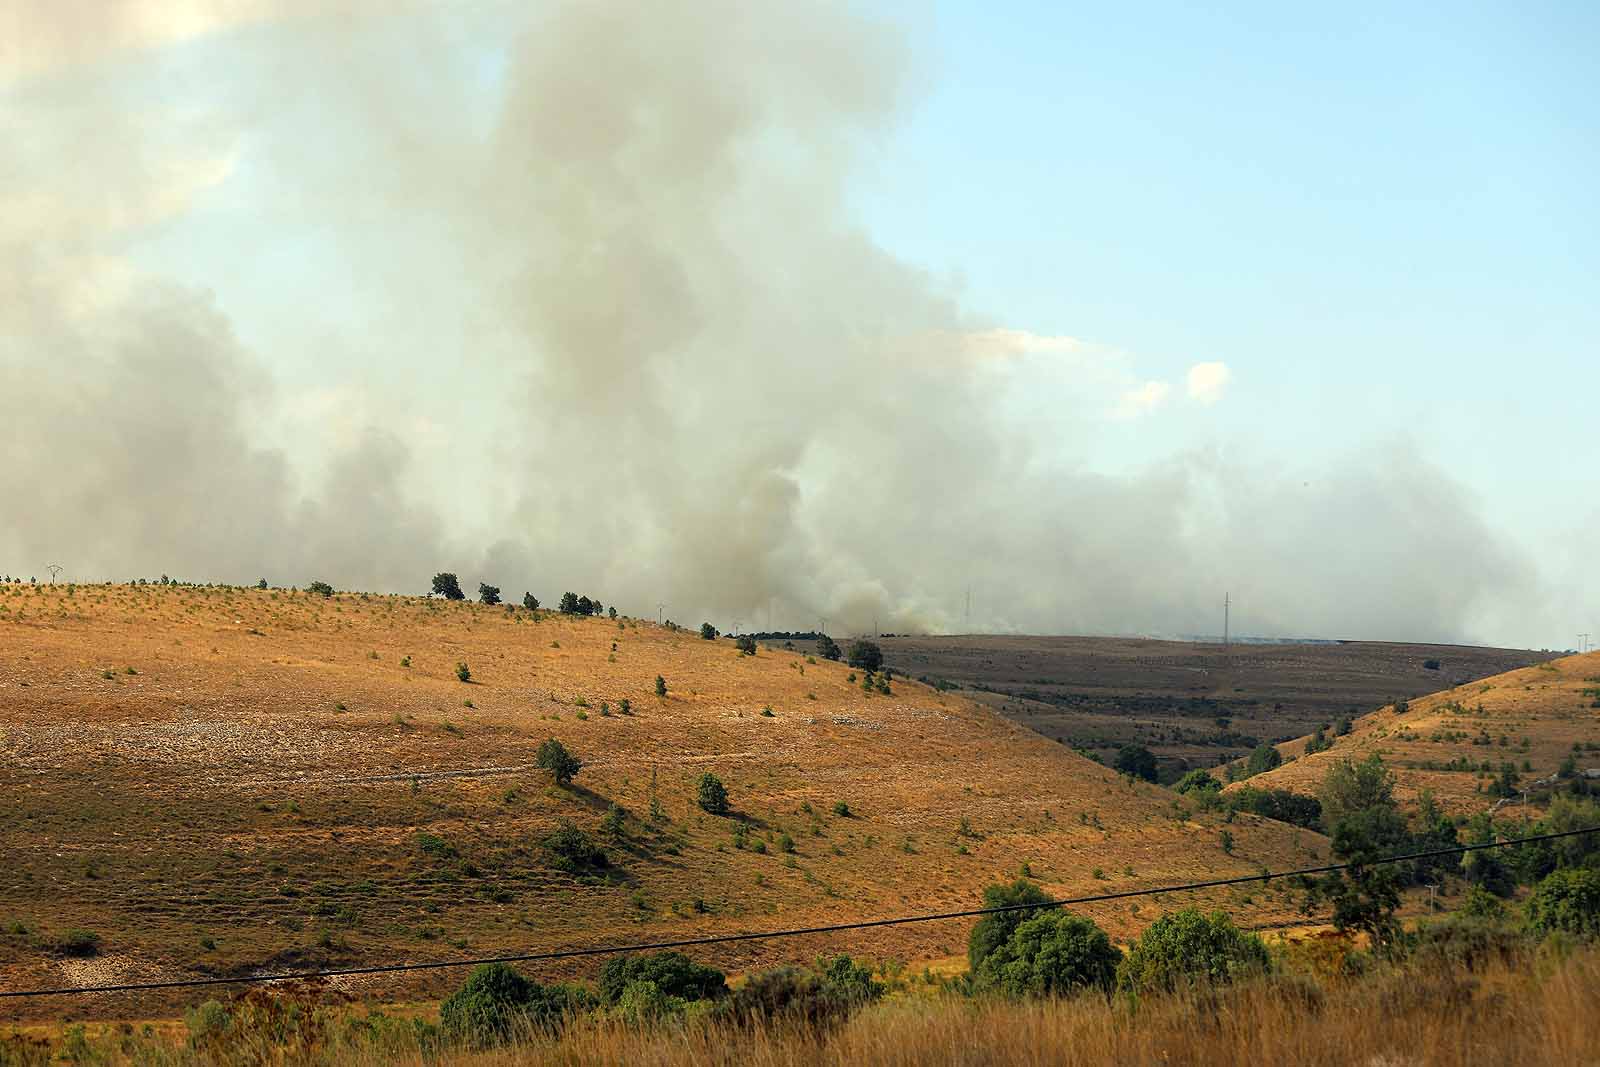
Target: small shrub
841, 809
746, 645
322, 589
673, 973
570, 849
992, 931
1566, 900
78, 943
820, 996
865, 656
463, 673
712, 795
661, 686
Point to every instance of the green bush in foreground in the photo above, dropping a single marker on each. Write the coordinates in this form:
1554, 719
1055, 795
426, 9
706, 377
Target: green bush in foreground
820, 996
993, 931
1188, 948
496, 1004
1051, 955
713, 795
672, 973
1567, 900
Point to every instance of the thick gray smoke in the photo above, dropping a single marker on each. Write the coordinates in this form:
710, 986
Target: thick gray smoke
694, 378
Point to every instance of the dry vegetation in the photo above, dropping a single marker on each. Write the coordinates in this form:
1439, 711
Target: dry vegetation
226, 781
1534, 718
1523, 1010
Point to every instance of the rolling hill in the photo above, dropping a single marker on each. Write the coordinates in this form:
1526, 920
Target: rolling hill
1456, 742
1191, 703
218, 781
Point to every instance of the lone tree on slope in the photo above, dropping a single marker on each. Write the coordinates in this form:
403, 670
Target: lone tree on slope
866, 655
446, 585
488, 594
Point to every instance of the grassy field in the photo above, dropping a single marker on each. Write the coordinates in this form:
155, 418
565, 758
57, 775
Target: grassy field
1534, 718
1191, 703
224, 781
1527, 1009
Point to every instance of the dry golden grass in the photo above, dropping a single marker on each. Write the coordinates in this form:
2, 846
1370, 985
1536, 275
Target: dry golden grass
1535, 1010
252, 797
1534, 715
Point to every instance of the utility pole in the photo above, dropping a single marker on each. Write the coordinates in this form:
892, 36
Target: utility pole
1227, 603
661, 613
1583, 642
969, 609
54, 569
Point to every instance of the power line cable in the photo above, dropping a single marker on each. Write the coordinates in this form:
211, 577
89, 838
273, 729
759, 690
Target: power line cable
722, 939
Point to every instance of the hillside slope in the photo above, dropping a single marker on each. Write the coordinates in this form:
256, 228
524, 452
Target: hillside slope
1456, 742
216, 781
1190, 703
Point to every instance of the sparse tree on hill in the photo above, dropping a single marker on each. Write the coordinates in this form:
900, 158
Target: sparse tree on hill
320, 588
488, 594
992, 931
661, 686
585, 606
563, 765
530, 601
612, 612
828, 648
448, 586
866, 655
569, 603
708, 632
747, 644
712, 795
1136, 761
262, 584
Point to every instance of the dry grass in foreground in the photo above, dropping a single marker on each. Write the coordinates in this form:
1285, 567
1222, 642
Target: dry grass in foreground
1530, 1011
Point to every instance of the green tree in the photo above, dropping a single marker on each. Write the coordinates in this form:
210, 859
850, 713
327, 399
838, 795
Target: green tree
488, 594
828, 648
992, 931
708, 632
1567, 900
1198, 781
673, 973
530, 601
563, 765
320, 588
1051, 955
712, 795
1137, 761
866, 655
1263, 758
496, 1004
569, 604
661, 686
446, 585
1189, 948
746, 644
1349, 787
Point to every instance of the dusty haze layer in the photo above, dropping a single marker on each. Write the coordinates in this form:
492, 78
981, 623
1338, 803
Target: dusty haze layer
678, 370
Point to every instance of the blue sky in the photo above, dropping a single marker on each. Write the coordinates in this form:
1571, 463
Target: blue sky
1383, 218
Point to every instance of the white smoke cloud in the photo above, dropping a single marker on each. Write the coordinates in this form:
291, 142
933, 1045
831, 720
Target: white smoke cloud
694, 378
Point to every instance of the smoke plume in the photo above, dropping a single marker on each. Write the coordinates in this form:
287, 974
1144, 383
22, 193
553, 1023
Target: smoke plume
622, 280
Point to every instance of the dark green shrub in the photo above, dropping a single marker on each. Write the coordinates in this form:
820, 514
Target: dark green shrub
712, 795
562, 765
1468, 942
78, 943
322, 589
1430, 664
488, 594
1278, 804
570, 604
463, 672
447, 586
661, 686
1197, 781
570, 849
992, 931
866, 656
1262, 758
746, 644
828, 648
530, 601
1137, 761
497, 1004
708, 632
1188, 948
1051, 955
1567, 900
819, 996
674, 975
